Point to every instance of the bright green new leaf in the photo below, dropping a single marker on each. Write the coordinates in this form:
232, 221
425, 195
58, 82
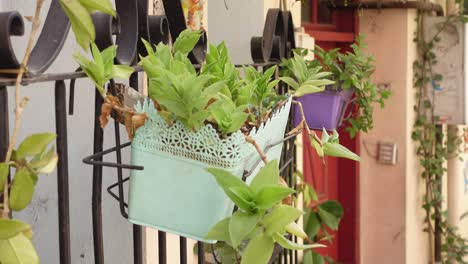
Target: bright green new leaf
337, 150
18, 250
279, 217
45, 162
308, 89
186, 41
241, 225
295, 229
34, 144
122, 71
4, 170
220, 231
242, 197
103, 6
81, 22
286, 243
329, 219
290, 81
259, 250
268, 175
22, 190
271, 195
317, 146
10, 228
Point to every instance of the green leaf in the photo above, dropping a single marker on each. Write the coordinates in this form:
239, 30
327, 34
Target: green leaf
122, 71
186, 41
4, 170
268, 175
312, 225
34, 144
104, 6
241, 225
319, 83
312, 258
279, 217
308, 89
286, 243
22, 190
259, 250
45, 162
317, 146
329, 219
241, 197
18, 250
333, 207
295, 229
10, 228
290, 81
271, 195
337, 150
220, 231
81, 22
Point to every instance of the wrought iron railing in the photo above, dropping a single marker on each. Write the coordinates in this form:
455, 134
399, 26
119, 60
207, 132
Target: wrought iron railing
133, 23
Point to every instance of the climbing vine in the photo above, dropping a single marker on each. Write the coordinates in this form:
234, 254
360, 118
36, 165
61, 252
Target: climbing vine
433, 148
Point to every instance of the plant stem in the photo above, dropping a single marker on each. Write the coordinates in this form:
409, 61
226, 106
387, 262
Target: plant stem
252, 141
303, 124
20, 104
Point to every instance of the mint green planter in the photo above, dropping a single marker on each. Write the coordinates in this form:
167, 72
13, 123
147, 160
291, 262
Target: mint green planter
174, 193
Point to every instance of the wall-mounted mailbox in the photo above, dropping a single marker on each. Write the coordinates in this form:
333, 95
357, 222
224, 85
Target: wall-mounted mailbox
450, 95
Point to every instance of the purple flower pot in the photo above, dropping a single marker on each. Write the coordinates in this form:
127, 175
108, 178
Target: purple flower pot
324, 109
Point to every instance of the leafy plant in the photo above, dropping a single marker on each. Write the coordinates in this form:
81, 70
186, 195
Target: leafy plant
79, 12
101, 69
319, 218
261, 220
353, 70
307, 79
31, 158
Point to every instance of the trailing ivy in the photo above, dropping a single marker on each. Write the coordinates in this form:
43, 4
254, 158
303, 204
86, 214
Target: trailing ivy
432, 149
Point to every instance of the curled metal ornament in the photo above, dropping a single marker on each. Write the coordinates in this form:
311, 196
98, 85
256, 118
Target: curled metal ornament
277, 40
48, 45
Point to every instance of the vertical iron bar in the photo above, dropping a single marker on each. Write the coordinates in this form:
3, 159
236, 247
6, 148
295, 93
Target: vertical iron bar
97, 184
183, 250
162, 247
137, 230
201, 253
438, 207
4, 126
4, 123
62, 171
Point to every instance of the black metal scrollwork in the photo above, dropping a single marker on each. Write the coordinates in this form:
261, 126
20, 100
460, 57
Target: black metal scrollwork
277, 40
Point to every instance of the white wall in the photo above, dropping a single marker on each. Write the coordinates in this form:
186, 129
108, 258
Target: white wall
39, 117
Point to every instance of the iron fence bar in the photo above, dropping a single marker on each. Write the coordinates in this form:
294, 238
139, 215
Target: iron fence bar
201, 252
137, 230
62, 172
162, 245
4, 128
183, 250
96, 204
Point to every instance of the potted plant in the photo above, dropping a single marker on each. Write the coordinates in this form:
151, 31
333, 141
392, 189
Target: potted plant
193, 120
351, 72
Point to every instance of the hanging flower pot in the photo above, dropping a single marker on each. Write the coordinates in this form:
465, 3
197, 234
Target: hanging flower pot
325, 109
174, 192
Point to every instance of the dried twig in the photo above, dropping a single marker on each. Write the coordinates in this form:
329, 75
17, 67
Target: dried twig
20, 103
303, 124
252, 141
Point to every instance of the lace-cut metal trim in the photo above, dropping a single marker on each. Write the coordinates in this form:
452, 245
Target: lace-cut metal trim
204, 145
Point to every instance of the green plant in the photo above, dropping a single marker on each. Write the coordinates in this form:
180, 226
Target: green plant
353, 70
102, 69
433, 150
261, 220
318, 219
33, 156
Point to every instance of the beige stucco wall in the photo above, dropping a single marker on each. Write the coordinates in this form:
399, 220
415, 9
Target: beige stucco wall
391, 215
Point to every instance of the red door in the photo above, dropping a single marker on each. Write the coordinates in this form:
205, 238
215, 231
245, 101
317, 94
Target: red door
339, 179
